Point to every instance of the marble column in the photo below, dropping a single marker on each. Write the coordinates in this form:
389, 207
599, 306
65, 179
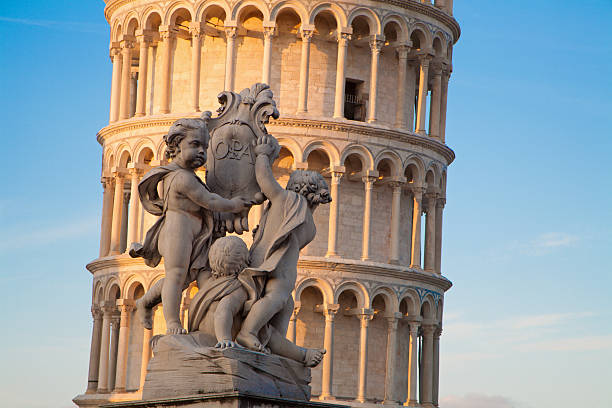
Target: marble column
364, 321
400, 109
133, 91
332, 237
94, 351
125, 307
267, 55
343, 40
291, 329
116, 57
167, 35
115, 244
413, 362
329, 311
390, 361
124, 222
444, 96
415, 260
430, 233
197, 33
107, 309
107, 215
440, 203
423, 89
230, 42
144, 42
375, 48
396, 202
146, 355
126, 70
436, 367
436, 101
410, 93
427, 371
132, 235
368, 182
114, 347
304, 68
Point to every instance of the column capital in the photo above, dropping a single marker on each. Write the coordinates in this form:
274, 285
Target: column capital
403, 49
231, 32
306, 32
343, 39
369, 176
116, 320
396, 183
329, 310
119, 173
167, 32
127, 42
144, 37
428, 329
269, 32
114, 49
106, 181
437, 332
393, 320
364, 316
197, 29
418, 191
432, 196
125, 304
135, 172
337, 172
440, 202
376, 43
108, 308
96, 312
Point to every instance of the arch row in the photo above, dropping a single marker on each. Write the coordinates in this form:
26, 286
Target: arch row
409, 301
378, 20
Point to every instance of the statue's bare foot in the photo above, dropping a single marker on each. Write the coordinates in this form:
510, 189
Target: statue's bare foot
313, 357
249, 341
223, 344
145, 314
175, 328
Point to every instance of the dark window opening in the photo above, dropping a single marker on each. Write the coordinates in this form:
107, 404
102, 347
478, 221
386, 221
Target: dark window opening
354, 104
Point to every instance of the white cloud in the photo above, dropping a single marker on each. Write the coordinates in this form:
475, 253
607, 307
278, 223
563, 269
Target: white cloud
476, 400
22, 236
587, 343
555, 240
54, 24
542, 320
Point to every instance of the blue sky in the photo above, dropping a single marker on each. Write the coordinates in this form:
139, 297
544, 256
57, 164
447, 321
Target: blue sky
527, 238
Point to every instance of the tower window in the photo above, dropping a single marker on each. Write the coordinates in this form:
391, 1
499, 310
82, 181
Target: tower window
354, 104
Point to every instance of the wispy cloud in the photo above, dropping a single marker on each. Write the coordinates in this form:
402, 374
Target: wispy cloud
476, 400
587, 343
542, 320
56, 24
22, 236
554, 240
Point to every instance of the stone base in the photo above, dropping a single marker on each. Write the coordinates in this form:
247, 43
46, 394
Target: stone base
181, 366
223, 400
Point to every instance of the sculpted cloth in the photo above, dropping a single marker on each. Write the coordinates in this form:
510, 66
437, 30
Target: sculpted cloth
151, 201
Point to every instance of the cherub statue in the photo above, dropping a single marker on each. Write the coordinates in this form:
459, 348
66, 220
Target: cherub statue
285, 228
186, 227
218, 306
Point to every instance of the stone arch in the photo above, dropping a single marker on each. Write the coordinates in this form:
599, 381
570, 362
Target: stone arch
245, 5
174, 9
428, 308
204, 6
153, 279
443, 183
116, 31
130, 285
152, 18
124, 156
439, 44
415, 165
401, 23
422, 35
328, 147
389, 296
296, 6
412, 301
98, 292
435, 170
370, 16
109, 160
360, 292
334, 9
364, 154
131, 23
293, 147
394, 160
144, 146
161, 151
112, 290
439, 311
321, 284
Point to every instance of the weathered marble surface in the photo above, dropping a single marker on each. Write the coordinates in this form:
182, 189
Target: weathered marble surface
182, 367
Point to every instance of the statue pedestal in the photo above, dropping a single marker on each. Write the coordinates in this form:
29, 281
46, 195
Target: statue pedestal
181, 367
223, 400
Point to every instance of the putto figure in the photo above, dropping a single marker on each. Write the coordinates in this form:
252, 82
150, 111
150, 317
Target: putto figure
186, 226
286, 227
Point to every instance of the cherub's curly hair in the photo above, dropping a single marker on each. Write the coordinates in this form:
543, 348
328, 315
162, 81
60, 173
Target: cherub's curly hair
178, 131
307, 183
228, 256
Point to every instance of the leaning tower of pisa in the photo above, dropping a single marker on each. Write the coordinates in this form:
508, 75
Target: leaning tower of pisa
362, 88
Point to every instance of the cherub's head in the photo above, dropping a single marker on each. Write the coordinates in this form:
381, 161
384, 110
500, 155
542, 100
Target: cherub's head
228, 256
186, 143
311, 185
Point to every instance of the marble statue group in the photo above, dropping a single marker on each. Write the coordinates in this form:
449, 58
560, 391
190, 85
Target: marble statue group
244, 294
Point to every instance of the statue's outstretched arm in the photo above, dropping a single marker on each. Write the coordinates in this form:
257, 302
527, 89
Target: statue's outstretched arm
265, 178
